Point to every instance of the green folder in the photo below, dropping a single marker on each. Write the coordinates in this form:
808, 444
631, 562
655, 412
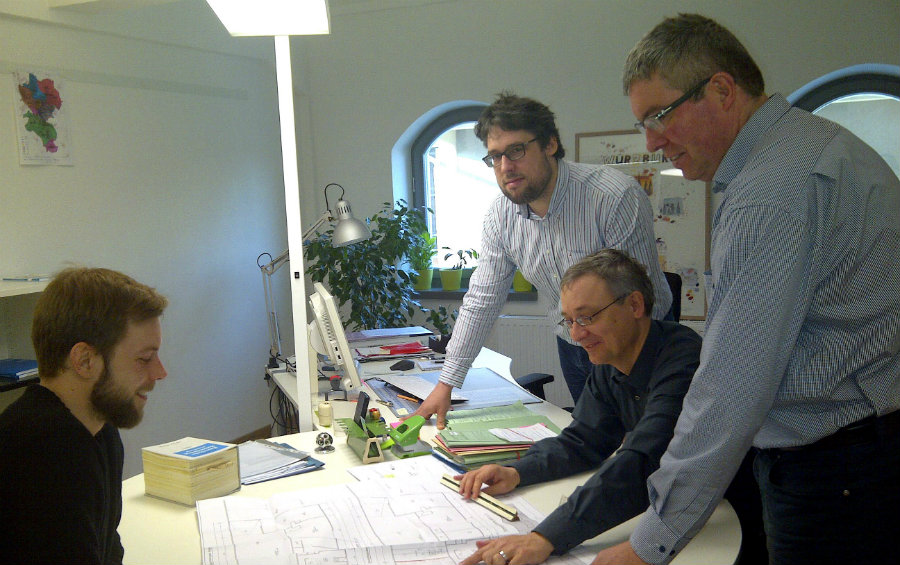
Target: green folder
472, 427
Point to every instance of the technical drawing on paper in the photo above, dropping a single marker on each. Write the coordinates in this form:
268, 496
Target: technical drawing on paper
387, 521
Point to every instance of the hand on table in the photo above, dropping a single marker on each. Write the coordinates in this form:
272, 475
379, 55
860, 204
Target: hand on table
529, 549
438, 402
499, 480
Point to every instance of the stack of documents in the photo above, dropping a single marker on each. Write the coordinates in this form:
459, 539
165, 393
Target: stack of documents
388, 336
190, 469
264, 461
394, 351
18, 369
498, 435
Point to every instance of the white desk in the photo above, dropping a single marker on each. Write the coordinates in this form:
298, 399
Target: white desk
154, 531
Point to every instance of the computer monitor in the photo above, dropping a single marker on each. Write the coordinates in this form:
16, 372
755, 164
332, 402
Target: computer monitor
331, 330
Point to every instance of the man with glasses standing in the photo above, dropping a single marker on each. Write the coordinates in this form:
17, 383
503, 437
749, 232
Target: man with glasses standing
801, 354
552, 214
641, 370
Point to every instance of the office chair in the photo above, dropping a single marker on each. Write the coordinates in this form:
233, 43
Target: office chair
534, 383
674, 280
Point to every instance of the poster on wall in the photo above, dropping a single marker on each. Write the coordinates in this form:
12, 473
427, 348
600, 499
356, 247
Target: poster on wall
41, 120
679, 208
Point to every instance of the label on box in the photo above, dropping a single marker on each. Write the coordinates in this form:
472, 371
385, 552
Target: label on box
201, 450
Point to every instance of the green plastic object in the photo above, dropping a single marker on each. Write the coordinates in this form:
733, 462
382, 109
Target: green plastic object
405, 437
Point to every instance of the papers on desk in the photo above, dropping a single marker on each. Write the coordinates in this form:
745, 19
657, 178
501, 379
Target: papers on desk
416, 386
525, 434
377, 521
263, 461
395, 351
497, 434
388, 335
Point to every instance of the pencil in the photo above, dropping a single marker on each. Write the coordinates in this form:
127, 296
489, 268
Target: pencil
410, 398
486, 500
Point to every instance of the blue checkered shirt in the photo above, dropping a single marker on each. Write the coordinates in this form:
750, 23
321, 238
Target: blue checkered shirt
803, 331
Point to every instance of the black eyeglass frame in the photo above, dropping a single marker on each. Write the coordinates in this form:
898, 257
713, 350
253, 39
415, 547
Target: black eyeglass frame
585, 321
492, 160
654, 122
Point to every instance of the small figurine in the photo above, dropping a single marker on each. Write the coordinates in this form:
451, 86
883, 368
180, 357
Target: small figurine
324, 441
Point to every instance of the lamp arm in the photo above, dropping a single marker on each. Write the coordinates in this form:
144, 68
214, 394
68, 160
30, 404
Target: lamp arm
267, 271
326, 216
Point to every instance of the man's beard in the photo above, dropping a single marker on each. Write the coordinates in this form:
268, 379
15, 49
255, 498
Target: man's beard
533, 190
114, 405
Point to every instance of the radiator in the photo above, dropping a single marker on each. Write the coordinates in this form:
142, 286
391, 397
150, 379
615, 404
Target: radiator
530, 341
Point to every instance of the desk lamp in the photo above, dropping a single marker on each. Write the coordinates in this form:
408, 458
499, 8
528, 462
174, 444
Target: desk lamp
347, 231
282, 18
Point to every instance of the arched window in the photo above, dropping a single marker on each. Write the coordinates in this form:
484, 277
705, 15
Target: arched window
864, 99
450, 179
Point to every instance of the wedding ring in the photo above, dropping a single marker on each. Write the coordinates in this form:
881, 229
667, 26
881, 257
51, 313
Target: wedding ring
505, 558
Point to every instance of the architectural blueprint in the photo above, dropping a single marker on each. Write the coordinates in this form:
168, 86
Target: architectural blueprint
386, 521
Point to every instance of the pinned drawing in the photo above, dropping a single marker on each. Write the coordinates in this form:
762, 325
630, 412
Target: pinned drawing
41, 125
680, 208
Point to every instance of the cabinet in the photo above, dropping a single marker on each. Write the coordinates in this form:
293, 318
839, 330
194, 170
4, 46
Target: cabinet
17, 302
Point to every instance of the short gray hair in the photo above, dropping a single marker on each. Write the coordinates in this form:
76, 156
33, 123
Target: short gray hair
687, 49
621, 272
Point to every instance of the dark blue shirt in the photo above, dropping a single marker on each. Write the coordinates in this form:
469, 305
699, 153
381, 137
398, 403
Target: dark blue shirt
634, 414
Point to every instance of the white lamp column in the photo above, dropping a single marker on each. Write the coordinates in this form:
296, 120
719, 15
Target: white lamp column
307, 379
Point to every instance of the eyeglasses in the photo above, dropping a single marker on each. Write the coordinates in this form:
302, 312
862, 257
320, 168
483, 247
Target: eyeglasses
585, 321
655, 123
513, 153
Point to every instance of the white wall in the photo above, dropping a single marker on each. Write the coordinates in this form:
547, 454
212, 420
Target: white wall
176, 181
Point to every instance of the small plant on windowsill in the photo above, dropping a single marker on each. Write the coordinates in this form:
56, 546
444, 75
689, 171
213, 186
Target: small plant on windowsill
420, 254
451, 277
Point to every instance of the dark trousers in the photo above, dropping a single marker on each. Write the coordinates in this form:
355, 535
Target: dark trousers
576, 366
743, 494
833, 501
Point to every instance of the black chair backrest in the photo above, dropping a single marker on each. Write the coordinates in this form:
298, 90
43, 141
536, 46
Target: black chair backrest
674, 281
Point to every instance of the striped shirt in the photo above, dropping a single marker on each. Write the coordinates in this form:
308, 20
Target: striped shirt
803, 332
592, 208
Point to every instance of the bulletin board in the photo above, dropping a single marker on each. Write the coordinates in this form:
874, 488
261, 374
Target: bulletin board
680, 208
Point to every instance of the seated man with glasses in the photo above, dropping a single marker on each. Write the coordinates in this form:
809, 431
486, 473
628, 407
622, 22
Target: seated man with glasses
642, 369
551, 214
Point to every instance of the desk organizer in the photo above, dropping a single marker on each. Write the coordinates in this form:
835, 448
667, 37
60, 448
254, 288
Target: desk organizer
365, 443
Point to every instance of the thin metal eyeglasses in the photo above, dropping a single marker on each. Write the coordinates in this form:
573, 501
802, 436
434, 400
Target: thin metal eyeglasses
655, 123
514, 152
585, 321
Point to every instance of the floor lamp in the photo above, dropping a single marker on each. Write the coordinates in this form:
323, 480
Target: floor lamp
281, 19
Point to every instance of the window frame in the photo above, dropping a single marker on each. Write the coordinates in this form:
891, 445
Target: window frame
421, 143
857, 79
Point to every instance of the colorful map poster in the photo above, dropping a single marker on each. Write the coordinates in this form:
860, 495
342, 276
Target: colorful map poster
43, 134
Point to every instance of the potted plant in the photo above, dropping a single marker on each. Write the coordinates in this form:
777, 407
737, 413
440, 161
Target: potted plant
420, 254
369, 275
520, 283
442, 321
451, 277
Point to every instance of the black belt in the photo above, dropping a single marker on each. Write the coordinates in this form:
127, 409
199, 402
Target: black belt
861, 431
